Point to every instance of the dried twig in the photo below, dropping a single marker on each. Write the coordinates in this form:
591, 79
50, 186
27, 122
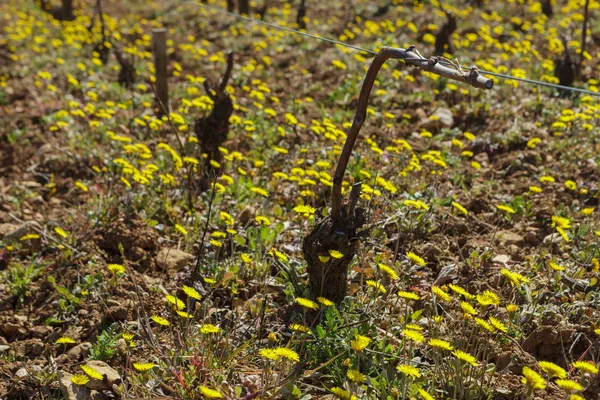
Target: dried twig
412, 57
583, 35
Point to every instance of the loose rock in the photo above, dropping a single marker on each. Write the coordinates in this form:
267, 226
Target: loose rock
111, 376
173, 260
79, 352
441, 118
508, 238
70, 390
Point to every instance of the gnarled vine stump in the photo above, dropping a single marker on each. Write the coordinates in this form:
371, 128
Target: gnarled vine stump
212, 131
339, 230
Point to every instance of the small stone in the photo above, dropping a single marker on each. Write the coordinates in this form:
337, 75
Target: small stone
501, 259
121, 347
531, 238
70, 390
21, 373
515, 252
441, 118
112, 377
173, 260
22, 230
79, 352
114, 314
507, 238
12, 330
446, 274
246, 214
6, 229
483, 159
553, 238
29, 227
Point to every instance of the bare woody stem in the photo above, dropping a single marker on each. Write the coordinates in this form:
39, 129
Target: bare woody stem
412, 57
583, 35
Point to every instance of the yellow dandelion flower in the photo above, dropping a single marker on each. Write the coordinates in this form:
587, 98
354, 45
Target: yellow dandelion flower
210, 393
227, 218
260, 192
553, 370
425, 395
287, 353
299, 328
324, 259
325, 302
468, 308
335, 254
485, 325
181, 229
555, 266
488, 298
568, 385
63, 234
496, 323
116, 269
183, 314
440, 344
515, 278
587, 211
360, 343
547, 179
466, 357
30, 237
261, 219
142, 367
535, 189
571, 185
413, 335
91, 372
512, 308
532, 379
179, 305
440, 294
504, 207
160, 320
305, 210
561, 222
408, 295
356, 376
191, 292
81, 186
342, 394
563, 234
376, 285
460, 290
209, 329
460, 208
270, 354
80, 379
388, 271
307, 303
65, 340
409, 370
586, 367
415, 259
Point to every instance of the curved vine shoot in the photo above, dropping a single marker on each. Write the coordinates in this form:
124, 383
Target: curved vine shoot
338, 231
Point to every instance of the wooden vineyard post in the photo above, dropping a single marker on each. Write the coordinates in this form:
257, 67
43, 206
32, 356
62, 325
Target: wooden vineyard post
159, 48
